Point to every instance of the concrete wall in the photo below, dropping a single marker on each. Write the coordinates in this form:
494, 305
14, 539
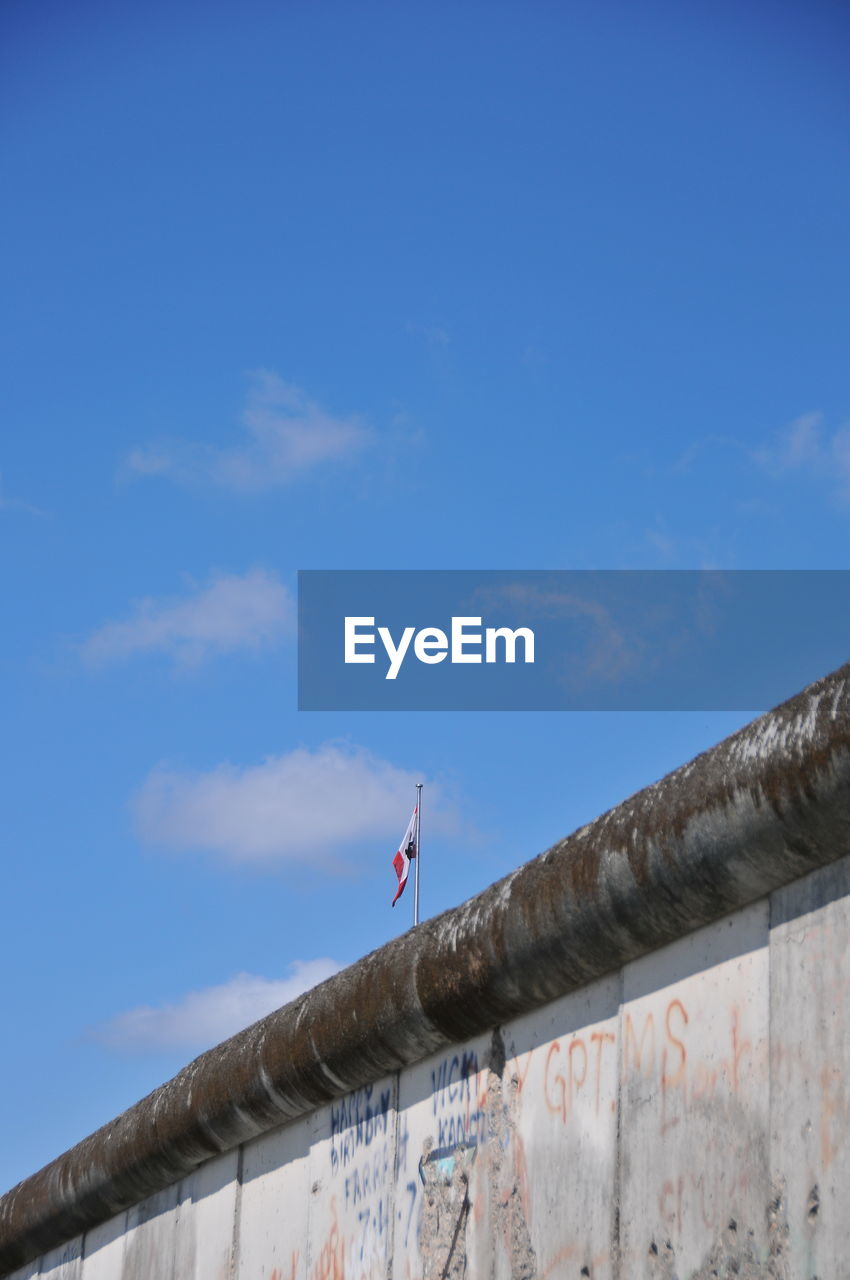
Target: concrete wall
629, 1059
688, 1115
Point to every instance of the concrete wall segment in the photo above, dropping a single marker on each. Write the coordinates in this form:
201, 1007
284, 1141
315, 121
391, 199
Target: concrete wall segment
352, 1167
561, 1103
64, 1263
675, 1120
440, 1180
208, 1208
103, 1249
275, 1201
810, 1066
695, 1097
150, 1245
764, 807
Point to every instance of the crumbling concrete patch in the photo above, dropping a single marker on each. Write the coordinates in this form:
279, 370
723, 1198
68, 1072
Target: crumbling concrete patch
507, 1182
735, 1255
445, 1211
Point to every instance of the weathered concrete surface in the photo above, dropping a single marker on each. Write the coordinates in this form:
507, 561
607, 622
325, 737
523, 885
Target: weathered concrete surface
810, 1043
352, 1167
587, 1160
103, 1248
64, 1263
442, 1128
685, 1118
506, 1236
274, 1206
207, 1220
695, 1093
563, 1072
150, 1243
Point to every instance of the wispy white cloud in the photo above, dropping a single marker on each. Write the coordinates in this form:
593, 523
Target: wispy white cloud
709, 444
247, 612
286, 434
798, 445
304, 805
205, 1018
805, 447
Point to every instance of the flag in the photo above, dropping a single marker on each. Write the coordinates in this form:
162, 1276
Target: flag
406, 851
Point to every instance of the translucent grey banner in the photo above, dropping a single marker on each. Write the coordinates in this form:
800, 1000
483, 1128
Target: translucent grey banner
566, 640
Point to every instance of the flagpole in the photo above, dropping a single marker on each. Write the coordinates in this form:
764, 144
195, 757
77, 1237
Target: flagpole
418, 852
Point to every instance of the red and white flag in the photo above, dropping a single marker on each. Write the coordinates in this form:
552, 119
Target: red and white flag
406, 852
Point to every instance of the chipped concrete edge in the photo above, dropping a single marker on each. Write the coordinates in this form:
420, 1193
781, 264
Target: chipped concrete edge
762, 808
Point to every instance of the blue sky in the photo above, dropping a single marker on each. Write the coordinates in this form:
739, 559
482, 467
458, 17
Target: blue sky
395, 285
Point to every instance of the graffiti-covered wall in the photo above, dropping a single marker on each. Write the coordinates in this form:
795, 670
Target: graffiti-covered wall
680, 1109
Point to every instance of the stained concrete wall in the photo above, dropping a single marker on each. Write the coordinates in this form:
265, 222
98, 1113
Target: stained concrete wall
682, 1113
688, 1115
